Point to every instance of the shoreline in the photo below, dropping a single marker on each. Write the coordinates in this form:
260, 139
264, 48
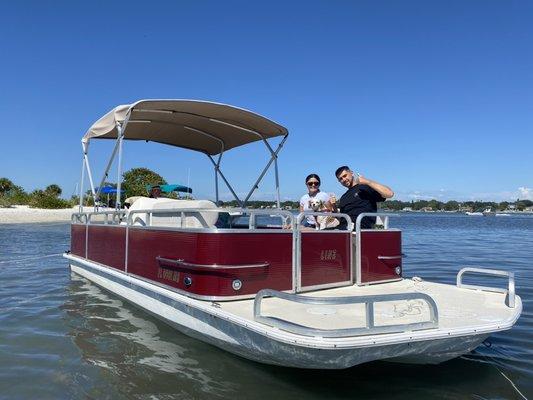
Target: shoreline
25, 215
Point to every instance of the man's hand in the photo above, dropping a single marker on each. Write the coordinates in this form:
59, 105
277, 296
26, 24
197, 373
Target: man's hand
383, 190
362, 180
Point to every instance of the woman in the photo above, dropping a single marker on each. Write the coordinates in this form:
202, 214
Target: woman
313, 191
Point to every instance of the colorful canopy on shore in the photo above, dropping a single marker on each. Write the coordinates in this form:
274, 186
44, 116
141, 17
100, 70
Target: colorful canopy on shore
109, 190
170, 188
211, 128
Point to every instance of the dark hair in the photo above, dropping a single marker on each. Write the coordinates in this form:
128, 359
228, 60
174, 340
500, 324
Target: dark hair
312, 176
341, 169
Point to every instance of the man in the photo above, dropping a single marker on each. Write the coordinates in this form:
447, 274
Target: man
155, 192
362, 196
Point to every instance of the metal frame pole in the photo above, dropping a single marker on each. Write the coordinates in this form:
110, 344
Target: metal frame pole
119, 167
274, 156
217, 166
82, 180
89, 174
217, 169
106, 173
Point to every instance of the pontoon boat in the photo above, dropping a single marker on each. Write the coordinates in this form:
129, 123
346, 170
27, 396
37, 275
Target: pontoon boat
279, 295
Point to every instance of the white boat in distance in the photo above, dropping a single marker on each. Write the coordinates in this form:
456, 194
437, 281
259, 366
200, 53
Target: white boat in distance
489, 213
285, 296
480, 214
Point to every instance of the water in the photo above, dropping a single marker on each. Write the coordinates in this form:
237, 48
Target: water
61, 337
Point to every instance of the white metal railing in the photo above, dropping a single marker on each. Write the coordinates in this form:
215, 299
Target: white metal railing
185, 212
370, 327
358, 222
303, 214
297, 243
359, 219
510, 291
117, 217
113, 217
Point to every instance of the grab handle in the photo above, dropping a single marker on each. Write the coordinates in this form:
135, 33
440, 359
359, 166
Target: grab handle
510, 291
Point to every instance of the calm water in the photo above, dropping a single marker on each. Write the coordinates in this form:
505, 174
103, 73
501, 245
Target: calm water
64, 338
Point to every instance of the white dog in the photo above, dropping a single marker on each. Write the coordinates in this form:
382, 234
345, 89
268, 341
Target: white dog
323, 222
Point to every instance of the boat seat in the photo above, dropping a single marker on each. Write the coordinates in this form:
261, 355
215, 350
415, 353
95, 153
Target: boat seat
192, 219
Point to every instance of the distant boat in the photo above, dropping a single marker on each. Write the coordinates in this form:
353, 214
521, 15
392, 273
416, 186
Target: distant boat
503, 215
489, 213
474, 213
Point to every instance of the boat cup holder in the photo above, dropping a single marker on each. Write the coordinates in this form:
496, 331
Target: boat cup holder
187, 281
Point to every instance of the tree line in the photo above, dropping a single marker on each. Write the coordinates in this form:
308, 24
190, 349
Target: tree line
452, 205
418, 205
135, 181
12, 194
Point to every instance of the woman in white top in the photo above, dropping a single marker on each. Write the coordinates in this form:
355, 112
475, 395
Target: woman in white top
313, 191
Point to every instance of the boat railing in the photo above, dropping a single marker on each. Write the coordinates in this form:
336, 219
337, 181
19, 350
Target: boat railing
383, 215
303, 214
105, 217
369, 301
509, 292
297, 243
183, 213
126, 217
385, 224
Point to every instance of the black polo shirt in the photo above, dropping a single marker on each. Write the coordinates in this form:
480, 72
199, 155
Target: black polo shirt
360, 199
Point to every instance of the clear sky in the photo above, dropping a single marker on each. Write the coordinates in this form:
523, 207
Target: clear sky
434, 99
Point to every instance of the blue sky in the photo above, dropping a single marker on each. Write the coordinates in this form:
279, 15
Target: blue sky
434, 99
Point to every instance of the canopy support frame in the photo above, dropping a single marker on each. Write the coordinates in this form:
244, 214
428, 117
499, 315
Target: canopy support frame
219, 171
121, 127
86, 166
120, 135
274, 156
272, 152
82, 182
106, 172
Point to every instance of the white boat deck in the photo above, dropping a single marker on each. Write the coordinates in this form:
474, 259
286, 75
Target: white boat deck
458, 308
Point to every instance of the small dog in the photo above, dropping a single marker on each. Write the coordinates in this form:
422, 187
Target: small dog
323, 222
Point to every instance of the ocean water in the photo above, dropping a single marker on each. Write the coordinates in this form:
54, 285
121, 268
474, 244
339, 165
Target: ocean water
62, 337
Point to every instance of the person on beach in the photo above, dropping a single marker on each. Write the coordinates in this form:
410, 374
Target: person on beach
155, 192
362, 196
313, 192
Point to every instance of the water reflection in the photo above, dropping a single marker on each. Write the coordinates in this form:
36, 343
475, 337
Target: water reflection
131, 345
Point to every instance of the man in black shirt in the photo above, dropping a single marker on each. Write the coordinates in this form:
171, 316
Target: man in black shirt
362, 196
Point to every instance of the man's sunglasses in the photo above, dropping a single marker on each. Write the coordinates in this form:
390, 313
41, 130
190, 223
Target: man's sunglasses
313, 183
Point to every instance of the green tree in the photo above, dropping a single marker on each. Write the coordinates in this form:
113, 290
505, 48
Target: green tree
451, 205
53, 190
135, 180
5, 185
504, 205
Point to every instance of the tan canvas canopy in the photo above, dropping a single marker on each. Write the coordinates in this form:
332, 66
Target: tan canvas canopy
211, 128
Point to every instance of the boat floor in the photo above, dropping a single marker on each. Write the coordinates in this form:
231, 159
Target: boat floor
458, 308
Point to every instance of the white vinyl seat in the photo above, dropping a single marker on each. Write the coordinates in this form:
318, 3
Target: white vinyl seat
196, 218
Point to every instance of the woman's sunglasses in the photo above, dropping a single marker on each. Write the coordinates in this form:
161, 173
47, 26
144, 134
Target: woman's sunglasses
313, 183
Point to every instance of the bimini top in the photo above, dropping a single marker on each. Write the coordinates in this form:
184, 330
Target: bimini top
197, 125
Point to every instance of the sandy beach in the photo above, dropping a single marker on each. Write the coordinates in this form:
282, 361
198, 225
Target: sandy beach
25, 215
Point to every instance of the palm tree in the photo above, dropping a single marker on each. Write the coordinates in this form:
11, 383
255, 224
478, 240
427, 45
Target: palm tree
5, 185
53, 190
